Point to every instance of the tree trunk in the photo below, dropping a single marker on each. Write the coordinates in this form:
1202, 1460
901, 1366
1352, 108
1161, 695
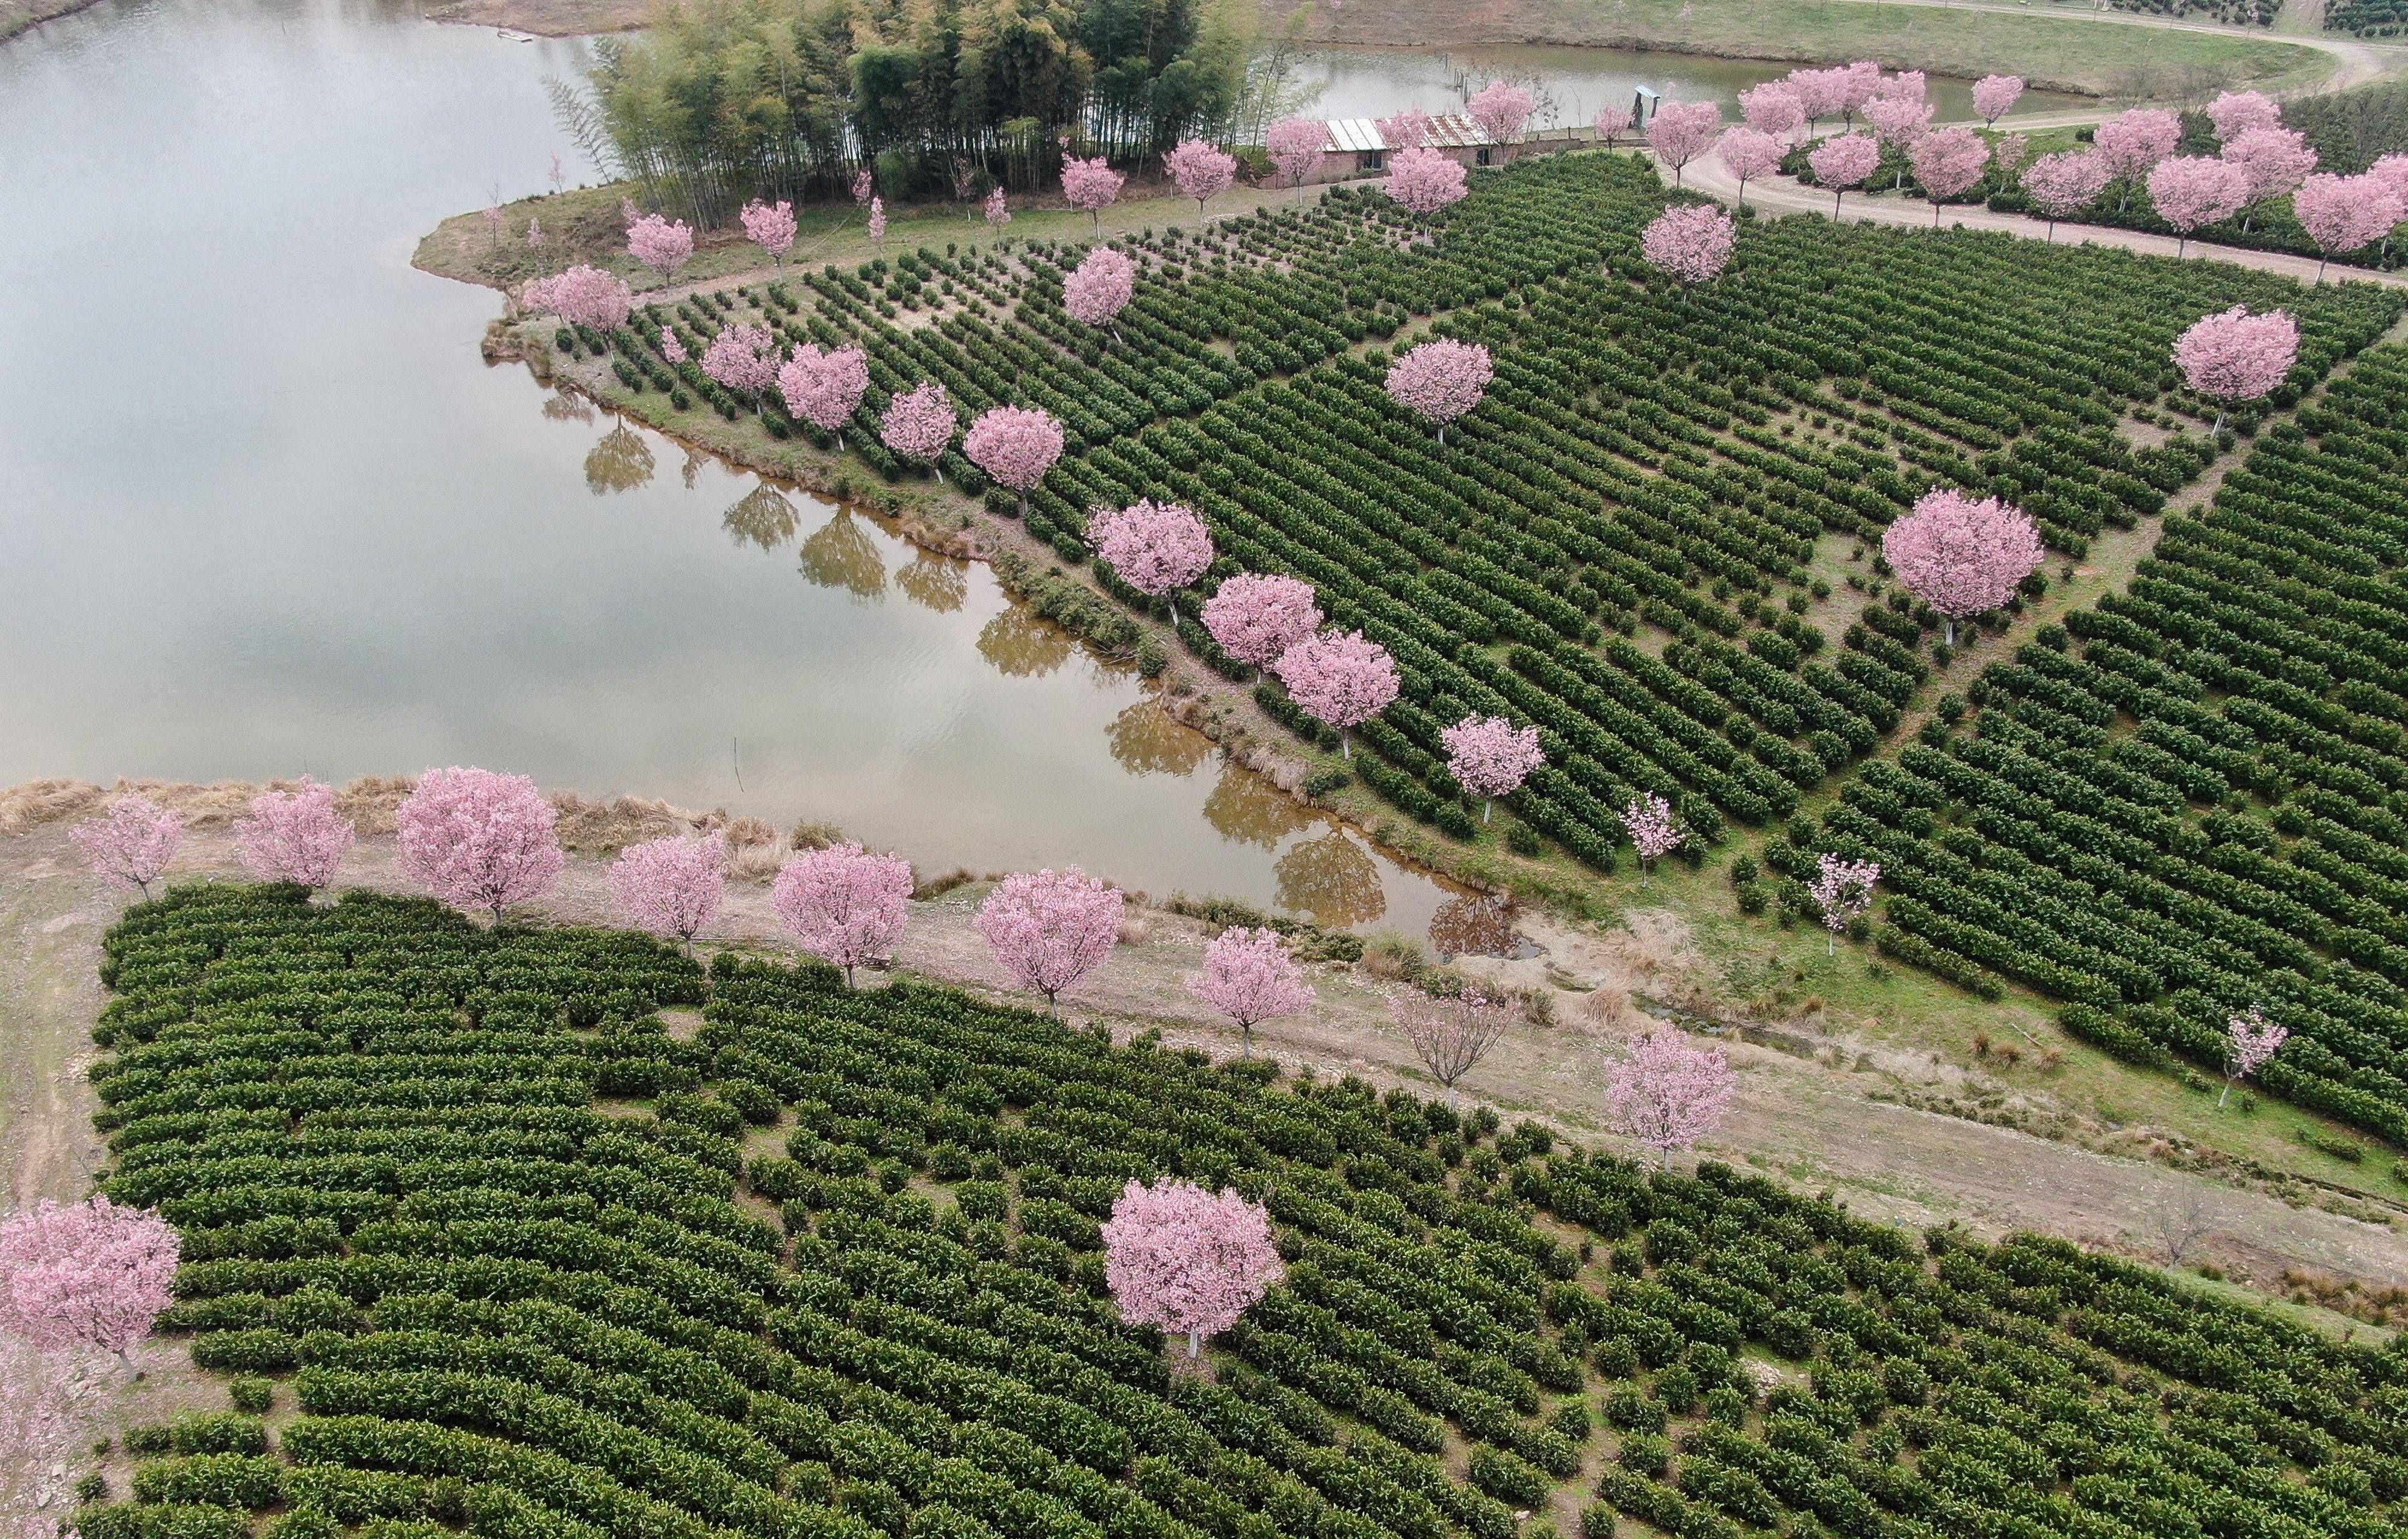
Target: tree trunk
1835, 196
1246, 1041
2227, 1092
1345, 751
1194, 1343
1831, 944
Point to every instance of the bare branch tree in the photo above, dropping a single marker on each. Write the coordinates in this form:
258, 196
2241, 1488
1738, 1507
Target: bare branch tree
2180, 1220
1451, 1036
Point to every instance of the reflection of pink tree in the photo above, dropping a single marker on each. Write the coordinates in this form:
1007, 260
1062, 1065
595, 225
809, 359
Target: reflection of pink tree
1648, 821
1255, 618
843, 904
1962, 557
1842, 889
91, 1274
1666, 1094
1248, 976
1049, 928
1344, 680
1490, 757
671, 886
132, 842
1187, 1261
294, 836
2251, 1042
1449, 1035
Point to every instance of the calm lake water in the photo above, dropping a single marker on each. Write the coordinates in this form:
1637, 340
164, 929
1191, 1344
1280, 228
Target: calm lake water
1361, 82
263, 510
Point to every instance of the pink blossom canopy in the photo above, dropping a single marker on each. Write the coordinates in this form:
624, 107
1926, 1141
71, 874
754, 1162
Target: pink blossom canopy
918, 423
842, 904
742, 358
1842, 889
582, 296
1489, 756
769, 225
1248, 976
1183, 1260
1749, 154
1664, 1094
91, 1274
1156, 547
1994, 95
2273, 161
1962, 557
1408, 130
671, 886
1441, 380
660, 244
1096, 290
1681, 130
1015, 446
478, 839
1257, 617
131, 843
1342, 679
2237, 112
1295, 146
1648, 821
998, 208
671, 348
1049, 928
1502, 111
1424, 180
2344, 213
2067, 181
877, 218
2251, 1042
823, 388
1898, 119
864, 185
1090, 185
1859, 84
294, 836
1611, 121
2132, 143
1200, 171
2189, 191
1949, 161
1692, 242
2237, 356
1821, 91
1774, 108
1844, 160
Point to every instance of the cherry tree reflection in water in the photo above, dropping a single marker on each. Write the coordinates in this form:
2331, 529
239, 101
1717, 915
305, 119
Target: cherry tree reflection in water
938, 583
761, 517
1248, 808
842, 555
1018, 644
1146, 741
563, 407
621, 461
1478, 925
1331, 880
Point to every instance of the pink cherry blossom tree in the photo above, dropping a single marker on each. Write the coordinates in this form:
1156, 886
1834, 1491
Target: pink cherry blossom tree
294, 836
1611, 123
1408, 130
998, 207
1248, 976
1502, 111
1648, 821
1423, 181
842, 904
877, 221
1015, 447
582, 296
771, 227
132, 842
2273, 161
864, 187
660, 244
535, 232
919, 425
1995, 96
1200, 172
2010, 153
1747, 154
1691, 242
1049, 928
90, 1275
2064, 183
1664, 1094
1090, 186
1450, 1035
824, 388
1490, 757
1962, 557
1821, 91
2251, 1042
1842, 889
1681, 130
1295, 147
2343, 214
1255, 618
2237, 112
671, 886
2132, 143
1859, 84
672, 349
1907, 85
1844, 161
1342, 679
2236, 356
2190, 191
1440, 381
742, 358
478, 839
1774, 109
1186, 1261
1156, 547
1899, 121
1099, 287
1947, 163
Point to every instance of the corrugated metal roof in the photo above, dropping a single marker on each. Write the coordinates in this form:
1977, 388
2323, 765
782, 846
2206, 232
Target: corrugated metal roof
1357, 135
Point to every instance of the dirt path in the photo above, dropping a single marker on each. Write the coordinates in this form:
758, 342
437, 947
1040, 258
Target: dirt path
1827, 1111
